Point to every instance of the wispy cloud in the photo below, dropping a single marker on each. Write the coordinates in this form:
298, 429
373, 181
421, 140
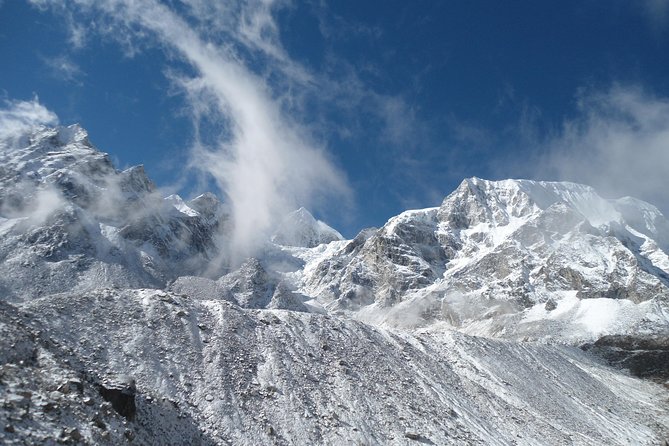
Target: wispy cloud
333, 26
18, 117
76, 29
263, 158
657, 14
64, 68
618, 143
246, 83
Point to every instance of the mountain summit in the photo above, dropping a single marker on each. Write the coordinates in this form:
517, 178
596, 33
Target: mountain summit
300, 228
512, 258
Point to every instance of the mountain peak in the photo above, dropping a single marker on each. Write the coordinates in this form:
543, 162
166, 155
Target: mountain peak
497, 200
72, 134
300, 228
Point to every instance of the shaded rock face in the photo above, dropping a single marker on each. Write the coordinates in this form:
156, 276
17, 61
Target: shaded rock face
209, 207
136, 183
201, 288
120, 392
286, 299
251, 285
18, 345
176, 237
68, 231
643, 356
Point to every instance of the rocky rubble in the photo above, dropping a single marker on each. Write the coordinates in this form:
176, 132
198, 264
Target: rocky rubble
283, 377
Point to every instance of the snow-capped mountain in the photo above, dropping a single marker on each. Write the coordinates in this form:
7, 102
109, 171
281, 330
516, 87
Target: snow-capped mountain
120, 319
512, 259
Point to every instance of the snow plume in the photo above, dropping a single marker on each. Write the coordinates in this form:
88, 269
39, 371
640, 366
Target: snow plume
34, 205
414, 312
429, 306
45, 203
19, 117
261, 157
619, 143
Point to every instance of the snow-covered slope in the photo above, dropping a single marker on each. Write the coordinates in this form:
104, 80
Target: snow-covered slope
283, 377
120, 321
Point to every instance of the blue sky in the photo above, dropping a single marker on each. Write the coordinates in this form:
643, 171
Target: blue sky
355, 109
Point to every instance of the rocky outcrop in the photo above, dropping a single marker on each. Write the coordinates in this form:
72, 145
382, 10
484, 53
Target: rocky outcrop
50, 395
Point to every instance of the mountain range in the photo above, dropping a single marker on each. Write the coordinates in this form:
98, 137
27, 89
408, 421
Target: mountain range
516, 312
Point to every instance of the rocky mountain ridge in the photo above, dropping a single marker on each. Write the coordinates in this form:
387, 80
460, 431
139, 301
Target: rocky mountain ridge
67, 214
511, 259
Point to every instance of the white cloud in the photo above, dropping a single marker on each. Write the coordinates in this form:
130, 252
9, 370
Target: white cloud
17, 117
250, 23
77, 36
64, 68
657, 13
618, 143
77, 31
265, 106
264, 160
45, 203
